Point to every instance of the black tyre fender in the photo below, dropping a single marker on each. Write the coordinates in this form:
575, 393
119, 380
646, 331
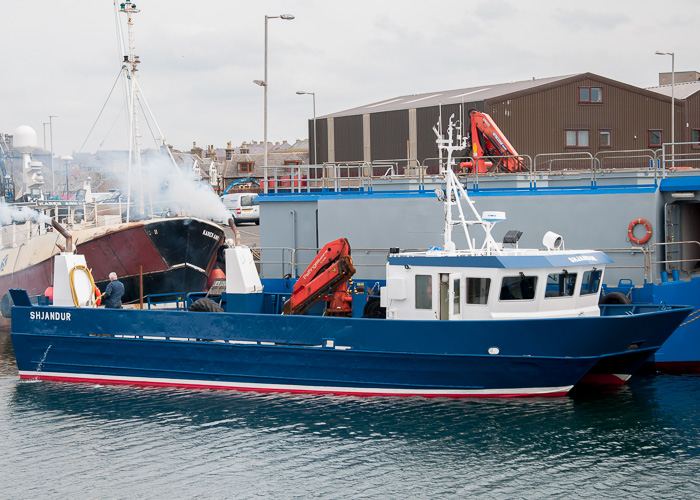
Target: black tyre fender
6, 305
614, 298
205, 305
373, 309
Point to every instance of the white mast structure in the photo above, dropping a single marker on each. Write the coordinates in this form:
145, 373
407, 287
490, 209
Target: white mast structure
129, 69
135, 99
454, 191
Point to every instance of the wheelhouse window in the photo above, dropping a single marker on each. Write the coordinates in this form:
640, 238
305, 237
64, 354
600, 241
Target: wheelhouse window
591, 282
590, 95
245, 167
560, 285
518, 287
456, 285
478, 290
695, 137
656, 138
604, 137
424, 291
577, 138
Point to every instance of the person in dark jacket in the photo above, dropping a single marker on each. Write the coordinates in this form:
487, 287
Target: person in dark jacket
112, 298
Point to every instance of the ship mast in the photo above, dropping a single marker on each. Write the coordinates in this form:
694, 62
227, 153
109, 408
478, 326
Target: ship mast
129, 69
454, 192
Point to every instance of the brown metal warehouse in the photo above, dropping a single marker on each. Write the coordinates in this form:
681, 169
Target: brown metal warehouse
583, 112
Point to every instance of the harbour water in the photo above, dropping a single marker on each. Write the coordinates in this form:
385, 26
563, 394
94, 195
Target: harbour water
88, 441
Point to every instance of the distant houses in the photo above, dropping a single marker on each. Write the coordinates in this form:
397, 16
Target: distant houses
220, 167
106, 169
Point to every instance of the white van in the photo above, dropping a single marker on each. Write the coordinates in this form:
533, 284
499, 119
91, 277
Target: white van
243, 207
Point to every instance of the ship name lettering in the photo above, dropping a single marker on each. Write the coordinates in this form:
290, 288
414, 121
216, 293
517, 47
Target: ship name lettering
583, 258
50, 315
210, 235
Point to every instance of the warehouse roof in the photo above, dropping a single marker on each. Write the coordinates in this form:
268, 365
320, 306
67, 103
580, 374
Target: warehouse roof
482, 93
680, 90
470, 94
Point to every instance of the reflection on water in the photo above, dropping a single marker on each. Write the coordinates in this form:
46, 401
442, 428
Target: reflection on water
124, 442
7, 355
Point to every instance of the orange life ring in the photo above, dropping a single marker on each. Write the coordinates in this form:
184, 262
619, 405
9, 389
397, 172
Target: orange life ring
643, 239
98, 296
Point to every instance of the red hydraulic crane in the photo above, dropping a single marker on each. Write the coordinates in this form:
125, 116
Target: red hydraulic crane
490, 148
328, 273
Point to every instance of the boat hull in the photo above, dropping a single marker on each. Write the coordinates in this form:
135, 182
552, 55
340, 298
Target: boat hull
354, 356
679, 354
166, 255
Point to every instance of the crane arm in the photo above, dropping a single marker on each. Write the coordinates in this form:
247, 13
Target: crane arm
327, 273
240, 181
488, 141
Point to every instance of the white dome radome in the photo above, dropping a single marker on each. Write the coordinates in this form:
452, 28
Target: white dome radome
24, 137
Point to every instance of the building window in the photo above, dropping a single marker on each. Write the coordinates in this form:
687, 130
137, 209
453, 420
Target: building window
604, 138
246, 167
590, 95
292, 162
577, 138
656, 138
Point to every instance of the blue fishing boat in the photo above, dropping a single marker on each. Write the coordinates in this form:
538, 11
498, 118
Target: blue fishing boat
485, 320
641, 207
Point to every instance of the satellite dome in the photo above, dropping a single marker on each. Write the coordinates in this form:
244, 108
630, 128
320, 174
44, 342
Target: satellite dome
24, 137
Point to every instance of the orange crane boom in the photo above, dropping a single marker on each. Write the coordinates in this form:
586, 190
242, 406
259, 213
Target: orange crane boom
328, 273
490, 147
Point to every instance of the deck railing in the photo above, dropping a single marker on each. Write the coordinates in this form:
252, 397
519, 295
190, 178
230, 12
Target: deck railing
374, 175
293, 261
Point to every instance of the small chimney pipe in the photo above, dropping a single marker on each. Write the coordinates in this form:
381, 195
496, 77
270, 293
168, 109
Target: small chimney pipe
236, 234
66, 235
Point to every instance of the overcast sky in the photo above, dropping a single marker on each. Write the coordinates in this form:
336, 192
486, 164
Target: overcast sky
200, 57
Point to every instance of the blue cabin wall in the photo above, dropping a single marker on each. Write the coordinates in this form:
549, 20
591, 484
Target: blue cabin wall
594, 218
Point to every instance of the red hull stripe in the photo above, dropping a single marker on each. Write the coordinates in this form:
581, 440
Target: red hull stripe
678, 366
348, 391
605, 379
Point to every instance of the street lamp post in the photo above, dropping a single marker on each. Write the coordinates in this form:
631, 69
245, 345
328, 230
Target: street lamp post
66, 163
673, 102
264, 84
53, 177
313, 95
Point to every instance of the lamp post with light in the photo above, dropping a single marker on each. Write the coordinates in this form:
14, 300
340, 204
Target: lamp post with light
313, 95
264, 84
673, 103
53, 176
66, 163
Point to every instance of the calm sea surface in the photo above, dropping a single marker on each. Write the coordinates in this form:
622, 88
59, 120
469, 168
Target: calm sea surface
87, 441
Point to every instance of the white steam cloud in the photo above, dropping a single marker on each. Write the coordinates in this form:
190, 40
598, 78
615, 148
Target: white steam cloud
173, 189
11, 214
